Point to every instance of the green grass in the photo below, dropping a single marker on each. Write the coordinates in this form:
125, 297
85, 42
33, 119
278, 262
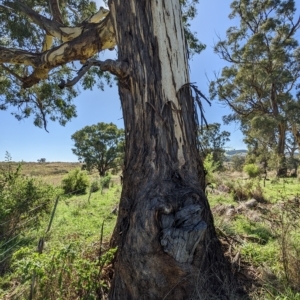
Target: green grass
273, 243
220, 199
76, 218
261, 254
69, 265
283, 188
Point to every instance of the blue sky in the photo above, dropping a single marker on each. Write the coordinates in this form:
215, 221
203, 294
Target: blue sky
26, 142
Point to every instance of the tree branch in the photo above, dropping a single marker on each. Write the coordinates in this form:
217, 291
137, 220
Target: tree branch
55, 28
52, 27
56, 13
12, 73
118, 68
100, 37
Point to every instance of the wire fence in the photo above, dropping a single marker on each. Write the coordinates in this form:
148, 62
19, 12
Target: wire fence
10, 245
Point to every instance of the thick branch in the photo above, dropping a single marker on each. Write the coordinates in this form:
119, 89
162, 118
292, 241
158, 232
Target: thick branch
17, 56
55, 28
89, 43
56, 13
8, 70
118, 68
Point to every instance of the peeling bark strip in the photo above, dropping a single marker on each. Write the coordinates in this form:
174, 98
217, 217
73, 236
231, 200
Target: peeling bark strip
172, 55
164, 231
79, 43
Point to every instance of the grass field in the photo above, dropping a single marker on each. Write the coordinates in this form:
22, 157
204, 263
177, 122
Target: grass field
262, 240
71, 261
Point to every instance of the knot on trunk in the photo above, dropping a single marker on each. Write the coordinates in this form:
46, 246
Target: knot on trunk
182, 231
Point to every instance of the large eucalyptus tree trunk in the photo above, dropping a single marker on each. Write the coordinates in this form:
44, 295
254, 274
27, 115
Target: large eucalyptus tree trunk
167, 246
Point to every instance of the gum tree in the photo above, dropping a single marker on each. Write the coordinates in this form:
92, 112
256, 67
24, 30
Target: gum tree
99, 146
212, 140
261, 83
167, 245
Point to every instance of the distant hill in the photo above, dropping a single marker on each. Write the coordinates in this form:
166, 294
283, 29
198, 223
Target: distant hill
236, 152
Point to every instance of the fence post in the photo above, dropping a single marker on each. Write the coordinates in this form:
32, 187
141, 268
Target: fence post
90, 195
52, 215
40, 248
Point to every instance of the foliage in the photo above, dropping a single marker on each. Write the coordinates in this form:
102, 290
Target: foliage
71, 245
23, 201
286, 226
212, 140
261, 84
100, 184
237, 162
189, 12
95, 186
105, 181
75, 182
99, 146
45, 100
243, 190
252, 170
63, 273
261, 142
41, 160
210, 167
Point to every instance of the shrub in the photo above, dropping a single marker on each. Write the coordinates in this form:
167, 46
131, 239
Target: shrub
64, 273
23, 203
22, 198
75, 182
251, 170
210, 166
105, 181
237, 162
95, 186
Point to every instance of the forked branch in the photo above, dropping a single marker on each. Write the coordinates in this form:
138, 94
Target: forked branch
115, 67
99, 37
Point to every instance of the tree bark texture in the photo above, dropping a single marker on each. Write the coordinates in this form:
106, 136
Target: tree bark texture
167, 245
282, 168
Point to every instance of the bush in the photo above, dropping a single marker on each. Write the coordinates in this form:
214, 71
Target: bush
251, 170
243, 190
22, 199
75, 182
210, 167
237, 162
95, 186
105, 181
64, 273
23, 203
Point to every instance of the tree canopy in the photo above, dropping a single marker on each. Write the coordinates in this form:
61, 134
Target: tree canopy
99, 146
212, 140
261, 83
46, 44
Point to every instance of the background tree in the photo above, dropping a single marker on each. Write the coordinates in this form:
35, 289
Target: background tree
292, 150
167, 245
261, 139
99, 146
263, 77
41, 160
237, 162
212, 140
